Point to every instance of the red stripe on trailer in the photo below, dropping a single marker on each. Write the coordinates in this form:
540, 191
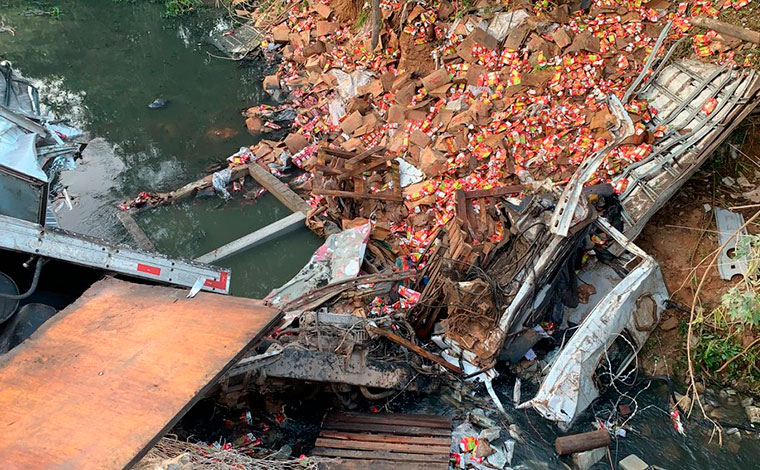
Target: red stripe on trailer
220, 284
144, 268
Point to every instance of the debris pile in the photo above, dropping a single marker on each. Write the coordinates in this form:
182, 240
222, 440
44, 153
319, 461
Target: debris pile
467, 164
491, 153
172, 454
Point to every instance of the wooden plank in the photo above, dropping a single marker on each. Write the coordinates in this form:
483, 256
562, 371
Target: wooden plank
388, 428
386, 446
280, 190
392, 418
264, 234
494, 192
338, 153
351, 464
98, 384
367, 153
349, 194
369, 166
728, 29
416, 349
138, 235
328, 170
380, 455
356, 436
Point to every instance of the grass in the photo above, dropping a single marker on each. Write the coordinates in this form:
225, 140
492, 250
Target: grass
719, 340
747, 17
361, 19
726, 348
175, 8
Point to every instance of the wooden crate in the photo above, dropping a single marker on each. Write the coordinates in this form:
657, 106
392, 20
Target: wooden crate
385, 441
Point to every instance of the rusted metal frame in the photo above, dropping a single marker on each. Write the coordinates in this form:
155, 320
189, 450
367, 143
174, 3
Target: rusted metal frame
346, 284
494, 192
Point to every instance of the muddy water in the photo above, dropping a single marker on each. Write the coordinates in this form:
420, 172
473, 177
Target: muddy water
100, 62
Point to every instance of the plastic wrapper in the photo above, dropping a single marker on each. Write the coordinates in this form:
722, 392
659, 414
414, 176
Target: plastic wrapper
220, 180
339, 258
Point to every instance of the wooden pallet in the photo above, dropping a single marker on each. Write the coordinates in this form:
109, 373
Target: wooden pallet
385, 441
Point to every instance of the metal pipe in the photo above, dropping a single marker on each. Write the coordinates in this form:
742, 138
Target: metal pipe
33, 287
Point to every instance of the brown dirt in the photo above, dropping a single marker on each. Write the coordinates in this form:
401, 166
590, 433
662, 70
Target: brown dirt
679, 237
347, 10
416, 57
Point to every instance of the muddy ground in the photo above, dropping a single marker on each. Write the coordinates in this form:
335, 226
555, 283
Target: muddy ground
683, 233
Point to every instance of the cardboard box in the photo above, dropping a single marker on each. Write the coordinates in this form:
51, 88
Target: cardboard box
432, 162
271, 82
254, 125
396, 114
562, 37
295, 142
436, 79
326, 27
477, 36
374, 88
352, 122
281, 33
418, 137
323, 10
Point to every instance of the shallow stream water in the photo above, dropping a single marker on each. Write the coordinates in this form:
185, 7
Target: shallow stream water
100, 62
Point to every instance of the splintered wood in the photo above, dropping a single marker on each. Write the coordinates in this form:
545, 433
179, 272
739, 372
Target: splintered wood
385, 441
357, 186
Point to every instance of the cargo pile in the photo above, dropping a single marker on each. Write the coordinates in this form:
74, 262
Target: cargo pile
455, 106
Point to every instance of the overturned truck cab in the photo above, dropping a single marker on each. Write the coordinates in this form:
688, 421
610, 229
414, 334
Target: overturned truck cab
630, 300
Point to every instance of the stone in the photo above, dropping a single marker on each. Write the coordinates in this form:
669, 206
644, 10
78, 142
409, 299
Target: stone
479, 418
490, 434
747, 401
586, 460
669, 324
753, 413
632, 462
716, 413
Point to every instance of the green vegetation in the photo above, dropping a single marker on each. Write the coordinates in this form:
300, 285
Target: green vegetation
726, 349
464, 7
175, 8
361, 19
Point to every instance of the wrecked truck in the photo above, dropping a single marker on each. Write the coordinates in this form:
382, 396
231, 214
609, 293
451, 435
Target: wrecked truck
699, 104
567, 273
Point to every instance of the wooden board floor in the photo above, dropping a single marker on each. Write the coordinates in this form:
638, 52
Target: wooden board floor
385, 441
101, 381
